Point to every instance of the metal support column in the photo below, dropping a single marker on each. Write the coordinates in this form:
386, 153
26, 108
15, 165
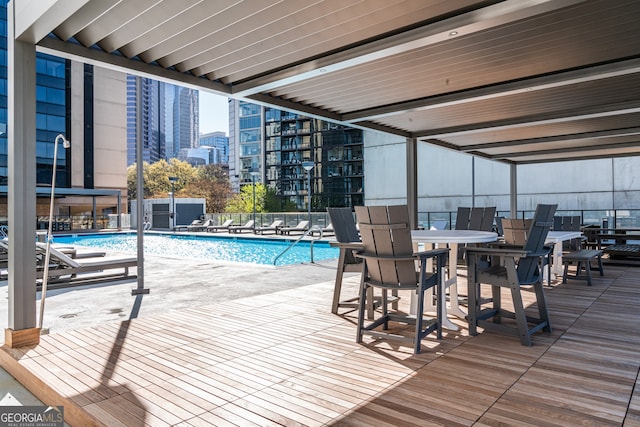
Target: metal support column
139, 196
513, 190
412, 180
21, 130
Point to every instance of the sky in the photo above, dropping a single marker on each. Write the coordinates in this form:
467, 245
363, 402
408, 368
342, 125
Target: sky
214, 113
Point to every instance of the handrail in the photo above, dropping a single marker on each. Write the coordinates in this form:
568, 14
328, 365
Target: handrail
295, 242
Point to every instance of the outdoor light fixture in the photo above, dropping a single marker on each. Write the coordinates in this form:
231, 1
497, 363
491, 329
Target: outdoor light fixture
253, 174
47, 253
308, 165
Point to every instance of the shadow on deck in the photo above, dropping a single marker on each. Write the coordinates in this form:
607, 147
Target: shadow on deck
283, 359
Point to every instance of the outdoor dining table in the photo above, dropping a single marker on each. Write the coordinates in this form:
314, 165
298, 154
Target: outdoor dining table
556, 238
451, 238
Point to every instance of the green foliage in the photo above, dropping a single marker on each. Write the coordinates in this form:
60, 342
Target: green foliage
243, 201
156, 178
272, 203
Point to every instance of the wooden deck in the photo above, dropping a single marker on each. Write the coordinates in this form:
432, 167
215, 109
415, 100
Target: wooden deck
283, 359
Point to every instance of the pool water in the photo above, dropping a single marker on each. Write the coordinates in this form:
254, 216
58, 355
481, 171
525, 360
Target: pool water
257, 251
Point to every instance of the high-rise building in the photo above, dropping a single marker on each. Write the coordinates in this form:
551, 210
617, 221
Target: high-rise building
279, 144
220, 141
168, 119
86, 105
185, 119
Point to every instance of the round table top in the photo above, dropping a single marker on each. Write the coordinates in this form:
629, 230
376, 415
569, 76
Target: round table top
453, 236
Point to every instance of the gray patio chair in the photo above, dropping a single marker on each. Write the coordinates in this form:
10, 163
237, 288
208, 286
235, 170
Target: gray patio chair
510, 268
569, 223
479, 219
390, 265
348, 242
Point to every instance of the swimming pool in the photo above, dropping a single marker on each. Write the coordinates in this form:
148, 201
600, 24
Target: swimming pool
252, 250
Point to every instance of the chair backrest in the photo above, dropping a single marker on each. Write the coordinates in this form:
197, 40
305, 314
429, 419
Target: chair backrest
386, 232
479, 219
462, 218
227, 223
528, 271
567, 223
516, 231
344, 225
499, 228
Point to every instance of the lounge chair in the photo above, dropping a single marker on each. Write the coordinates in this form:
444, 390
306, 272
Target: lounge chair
223, 227
300, 228
63, 268
325, 230
249, 226
194, 223
200, 227
273, 227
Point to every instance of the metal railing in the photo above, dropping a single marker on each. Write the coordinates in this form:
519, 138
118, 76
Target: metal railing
307, 233
613, 218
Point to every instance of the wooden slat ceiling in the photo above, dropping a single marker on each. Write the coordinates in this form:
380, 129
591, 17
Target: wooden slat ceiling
519, 81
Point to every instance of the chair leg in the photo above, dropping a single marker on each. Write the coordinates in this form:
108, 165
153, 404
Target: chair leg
600, 265
361, 308
473, 296
543, 311
369, 302
419, 320
520, 315
338, 284
496, 297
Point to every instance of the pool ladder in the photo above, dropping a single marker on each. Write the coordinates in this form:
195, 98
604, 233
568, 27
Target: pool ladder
295, 242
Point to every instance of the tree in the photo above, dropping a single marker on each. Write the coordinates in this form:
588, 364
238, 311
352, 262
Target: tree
156, 178
272, 203
212, 184
243, 201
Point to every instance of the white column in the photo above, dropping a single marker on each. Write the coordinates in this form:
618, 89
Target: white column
22, 182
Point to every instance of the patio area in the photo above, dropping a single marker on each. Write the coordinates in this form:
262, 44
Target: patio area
277, 356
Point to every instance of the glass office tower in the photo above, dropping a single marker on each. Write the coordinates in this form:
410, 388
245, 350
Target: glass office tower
52, 112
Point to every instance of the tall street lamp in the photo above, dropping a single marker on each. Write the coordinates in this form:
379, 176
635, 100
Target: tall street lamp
254, 174
172, 211
308, 165
47, 253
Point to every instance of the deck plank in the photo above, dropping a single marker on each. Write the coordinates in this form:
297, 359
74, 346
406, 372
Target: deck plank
283, 359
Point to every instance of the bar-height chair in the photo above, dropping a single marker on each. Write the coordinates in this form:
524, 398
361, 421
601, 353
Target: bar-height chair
511, 268
390, 265
515, 233
569, 223
348, 242
479, 219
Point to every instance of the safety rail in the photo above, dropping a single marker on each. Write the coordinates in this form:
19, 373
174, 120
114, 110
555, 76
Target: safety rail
307, 233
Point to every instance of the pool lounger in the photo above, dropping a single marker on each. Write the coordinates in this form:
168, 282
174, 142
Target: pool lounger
62, 265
